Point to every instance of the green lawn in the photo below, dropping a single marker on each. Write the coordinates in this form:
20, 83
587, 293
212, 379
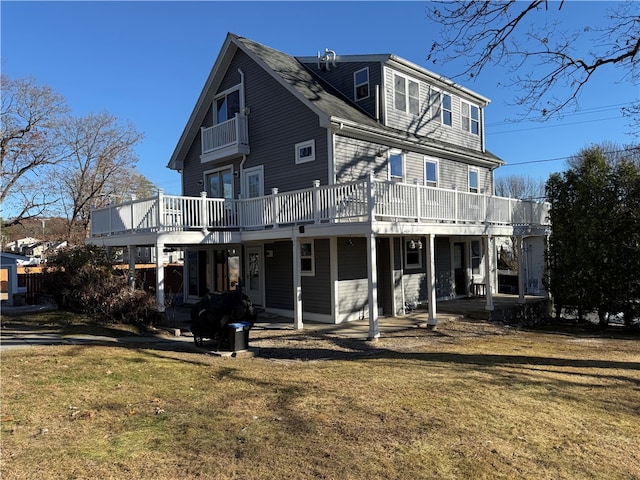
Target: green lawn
526, 405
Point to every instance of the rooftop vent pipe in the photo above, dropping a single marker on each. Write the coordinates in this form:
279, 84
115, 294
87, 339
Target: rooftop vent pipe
327, 61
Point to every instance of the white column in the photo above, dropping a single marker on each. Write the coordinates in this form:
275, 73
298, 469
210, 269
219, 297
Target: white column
132, 266
159, 277
488, 278
431, 280
372, 274
521, 270
297, 285
333, 278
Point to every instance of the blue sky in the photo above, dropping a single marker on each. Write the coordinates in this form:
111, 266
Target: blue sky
146, 62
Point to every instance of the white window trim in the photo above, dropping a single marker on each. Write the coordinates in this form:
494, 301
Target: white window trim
403, 160
412, 266
470, 118
300, 146
407, 103
442, 94
312, 272
214, 104
437, 162
206, 173
356, 85
469, 170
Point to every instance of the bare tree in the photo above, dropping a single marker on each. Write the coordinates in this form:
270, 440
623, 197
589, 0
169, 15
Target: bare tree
520, 186
548, 70
29, 146
101, 165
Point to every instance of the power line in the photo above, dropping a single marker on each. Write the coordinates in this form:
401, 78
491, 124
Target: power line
553, 126
629, 149
587, 111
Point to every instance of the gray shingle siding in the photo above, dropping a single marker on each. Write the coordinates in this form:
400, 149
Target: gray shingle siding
316, 289
355, 158
276, 123
278, 277
444, 287
423, 124
342, 79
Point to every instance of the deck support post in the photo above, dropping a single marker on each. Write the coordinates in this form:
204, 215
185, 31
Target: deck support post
521, 268
372, 275
488, 277
333, 275
131, 249
160, 276
297, 285
431, 281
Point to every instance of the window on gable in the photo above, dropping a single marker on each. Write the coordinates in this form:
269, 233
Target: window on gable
470, 118
306, 151
406, 94
361, 84
306, 259
396, 167
473, 180
414, 97
227, 106
399, 93
431, 173
447, 113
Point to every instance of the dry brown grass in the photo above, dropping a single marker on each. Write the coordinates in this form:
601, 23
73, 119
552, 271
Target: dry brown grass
425, 405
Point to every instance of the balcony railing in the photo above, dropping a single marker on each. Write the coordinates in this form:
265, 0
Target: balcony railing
360, 201
231, 133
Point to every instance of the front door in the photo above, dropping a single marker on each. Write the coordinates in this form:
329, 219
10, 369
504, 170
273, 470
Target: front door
253, 274
253, 182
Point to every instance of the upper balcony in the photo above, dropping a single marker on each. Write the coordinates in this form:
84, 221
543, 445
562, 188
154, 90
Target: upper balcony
392, 207
225, 140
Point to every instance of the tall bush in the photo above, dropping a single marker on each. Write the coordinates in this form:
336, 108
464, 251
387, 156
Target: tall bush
84, 280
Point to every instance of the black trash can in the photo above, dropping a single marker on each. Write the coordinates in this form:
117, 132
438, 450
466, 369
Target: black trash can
238, 336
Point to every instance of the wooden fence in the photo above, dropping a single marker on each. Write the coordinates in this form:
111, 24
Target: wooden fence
35, 280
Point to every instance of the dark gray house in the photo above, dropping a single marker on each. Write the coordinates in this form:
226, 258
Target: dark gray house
326, 185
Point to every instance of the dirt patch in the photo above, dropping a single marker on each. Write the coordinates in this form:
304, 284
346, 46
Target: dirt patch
305, 345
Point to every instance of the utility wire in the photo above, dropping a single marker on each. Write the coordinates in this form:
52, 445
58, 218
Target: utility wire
563, 158
587, 111
552, 126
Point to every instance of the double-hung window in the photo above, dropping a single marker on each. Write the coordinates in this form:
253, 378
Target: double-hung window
396, 166
473, 180
475, 257
306, 259
227, 106
361, 84
447, 112
430, 173
406, 94
470, 118
441, 108
413, 253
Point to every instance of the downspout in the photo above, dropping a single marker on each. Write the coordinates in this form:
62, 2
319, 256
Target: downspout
242, 109
241, 90
242, 192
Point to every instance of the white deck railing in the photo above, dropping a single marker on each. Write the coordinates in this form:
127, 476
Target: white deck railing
231, 132
359, 201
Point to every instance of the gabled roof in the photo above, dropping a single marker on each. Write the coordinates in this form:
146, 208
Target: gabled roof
329, 104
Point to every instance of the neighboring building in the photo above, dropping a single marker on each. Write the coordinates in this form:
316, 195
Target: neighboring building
9, 289
329, 184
